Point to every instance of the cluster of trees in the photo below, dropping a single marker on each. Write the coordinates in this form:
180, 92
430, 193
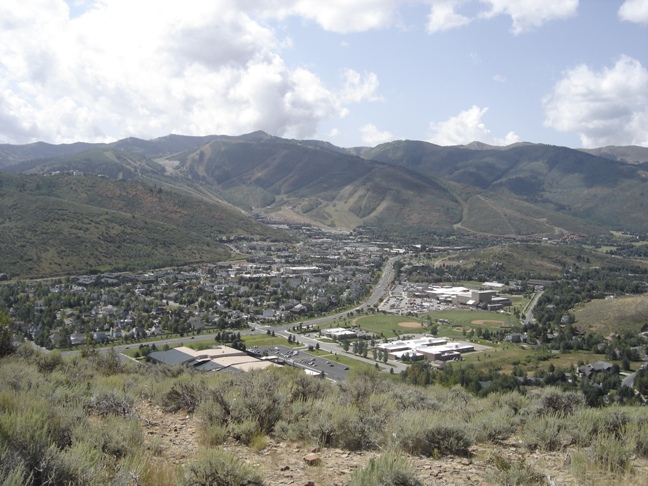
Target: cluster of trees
598, 389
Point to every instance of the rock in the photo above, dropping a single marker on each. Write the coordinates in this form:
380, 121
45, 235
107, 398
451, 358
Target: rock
309, 483
284, 468
315, 449
312, 459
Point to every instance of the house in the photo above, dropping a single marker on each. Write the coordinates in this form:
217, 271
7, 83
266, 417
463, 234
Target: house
99, 336
156, 330
76, 338
196, 323
598, 367
516, 337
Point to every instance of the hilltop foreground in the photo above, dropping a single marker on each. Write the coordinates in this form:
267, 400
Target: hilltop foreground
96, 420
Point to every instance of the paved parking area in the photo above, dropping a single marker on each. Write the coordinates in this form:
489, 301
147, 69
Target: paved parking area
300, 359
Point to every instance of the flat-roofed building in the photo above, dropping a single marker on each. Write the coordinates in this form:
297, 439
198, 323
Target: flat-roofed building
219, 358
340, 333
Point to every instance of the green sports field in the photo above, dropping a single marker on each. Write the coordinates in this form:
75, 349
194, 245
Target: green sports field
390, 325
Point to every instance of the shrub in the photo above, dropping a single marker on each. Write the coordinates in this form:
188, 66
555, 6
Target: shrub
545, 432
557, 402
613, 454
217, 467
244, 431
431, 435
637, 432
116, 437
388, 469
495, 426
109, 363
110, 403
256, 397
48, 362
306, 387
515, 473
183, 395
407, 397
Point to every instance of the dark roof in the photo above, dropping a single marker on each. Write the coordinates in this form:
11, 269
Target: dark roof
171, 357
208, 365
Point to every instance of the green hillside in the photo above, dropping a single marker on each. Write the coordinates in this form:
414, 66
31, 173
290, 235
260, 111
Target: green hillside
402, 187
555, 178
65, 224
536, 259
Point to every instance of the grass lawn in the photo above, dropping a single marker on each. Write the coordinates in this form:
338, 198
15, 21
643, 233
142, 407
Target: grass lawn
460, 320
266, 340
389, 324
518, 300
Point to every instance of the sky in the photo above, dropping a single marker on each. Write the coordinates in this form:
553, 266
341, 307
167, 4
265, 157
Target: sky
351, 72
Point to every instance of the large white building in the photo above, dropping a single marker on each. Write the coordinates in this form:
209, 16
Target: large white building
433, 349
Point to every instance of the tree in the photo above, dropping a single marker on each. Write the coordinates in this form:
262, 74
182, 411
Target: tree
6, 345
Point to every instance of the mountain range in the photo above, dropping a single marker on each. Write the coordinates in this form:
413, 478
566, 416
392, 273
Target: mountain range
400, 188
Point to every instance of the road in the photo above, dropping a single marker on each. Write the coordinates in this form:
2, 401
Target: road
528, 311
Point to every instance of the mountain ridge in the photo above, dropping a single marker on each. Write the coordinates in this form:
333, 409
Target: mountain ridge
405, 185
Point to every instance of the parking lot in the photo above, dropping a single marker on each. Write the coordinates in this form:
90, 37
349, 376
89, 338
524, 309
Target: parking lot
300, 359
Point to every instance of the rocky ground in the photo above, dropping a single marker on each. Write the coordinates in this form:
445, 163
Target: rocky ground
174, 438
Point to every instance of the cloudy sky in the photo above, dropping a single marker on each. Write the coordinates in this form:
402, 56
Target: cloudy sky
352, 72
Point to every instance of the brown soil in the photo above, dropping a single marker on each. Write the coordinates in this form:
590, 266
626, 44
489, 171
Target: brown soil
480, 322
411, 325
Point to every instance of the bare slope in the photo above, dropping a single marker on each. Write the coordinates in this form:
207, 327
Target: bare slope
326, 186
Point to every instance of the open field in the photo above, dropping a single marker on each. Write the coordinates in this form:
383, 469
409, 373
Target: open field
389, 325
411, 325
614, 315
507, 356
466, 318
517, 300
266, 340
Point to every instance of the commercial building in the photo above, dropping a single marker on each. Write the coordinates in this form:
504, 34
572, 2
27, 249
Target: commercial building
219, 358
432, 349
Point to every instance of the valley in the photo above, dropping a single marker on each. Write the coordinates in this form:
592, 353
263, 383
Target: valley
452, 315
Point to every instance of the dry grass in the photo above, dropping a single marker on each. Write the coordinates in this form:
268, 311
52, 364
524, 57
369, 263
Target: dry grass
614, 315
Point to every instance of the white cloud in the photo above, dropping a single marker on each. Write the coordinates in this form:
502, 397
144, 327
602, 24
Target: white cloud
634, 11
334, 132
528, 15
467, 127
499, 78
371, 135
358, 88
609, 107
444, 17
147, 68
342, 16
